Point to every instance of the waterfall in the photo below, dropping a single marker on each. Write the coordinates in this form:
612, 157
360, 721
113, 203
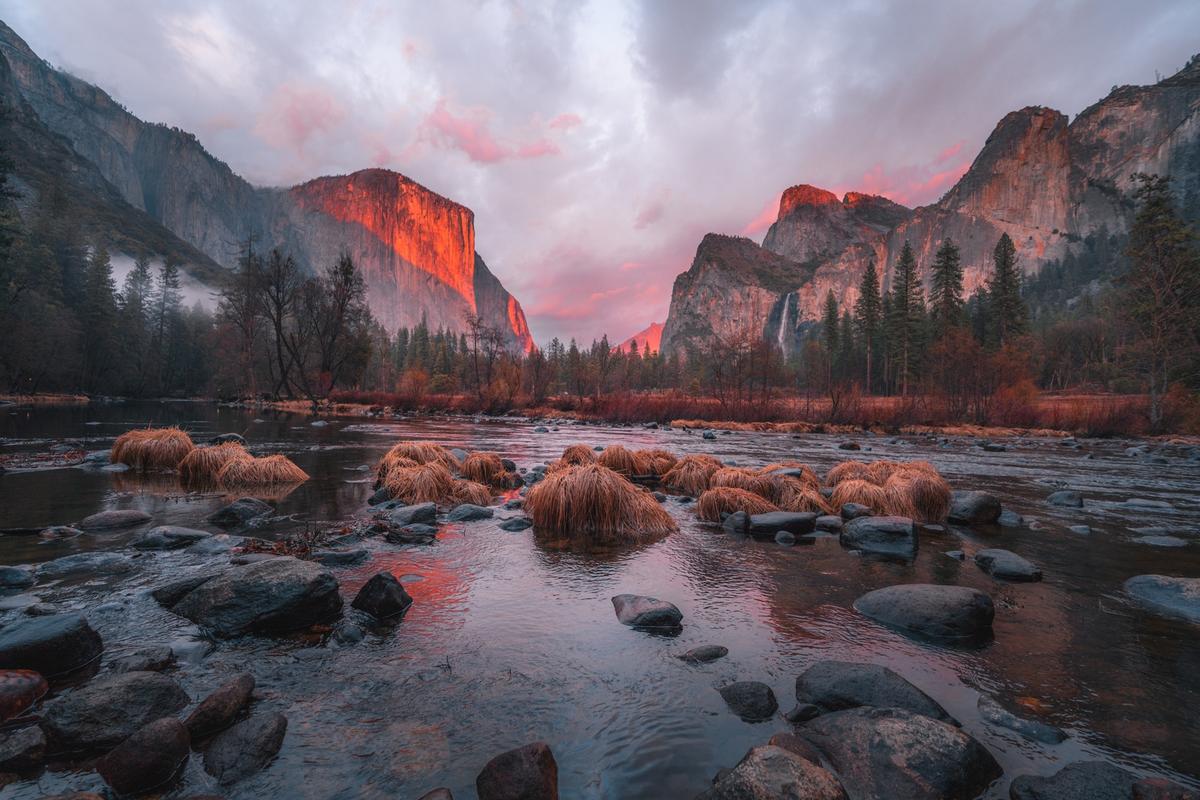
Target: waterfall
783, 319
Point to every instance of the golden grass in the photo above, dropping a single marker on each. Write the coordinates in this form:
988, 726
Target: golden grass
473, 492
418, 453
925, 495
692, 473
793, 494
424, 483
151, 448
579, 454
623, 461
741, 478
863, 492
658, 461
239, 472
808, 476
595, 503
202, 464
848, 471
715, 503
488, 468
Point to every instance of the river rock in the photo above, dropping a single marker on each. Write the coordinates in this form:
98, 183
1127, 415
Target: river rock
1066, 498
855, 510
113, 521
169, 537
1161, 541
383, 597
829, 522
22, 750
441, 793
218, 711
737, 523
526, 773
340, 558
516, 524
171, 593
469, 512
276, 595
148, 759
893, 753
15, 578
60, 532
646, 612
246, 748
704, 654
54, 645
751, 700
147, 659
794, 522
839, 685
19, 690
1036, 731
1170, 596
929, 610
94, 563
423, 513
225, 438
1006, 565
1009, 519
1083, 780
887, 536
973, 508
240, 512
106, 711
769, 772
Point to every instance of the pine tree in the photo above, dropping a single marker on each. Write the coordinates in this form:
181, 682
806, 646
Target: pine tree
907, 317
946, 303
868, 314
98, 319
829, 324
1007, 312
135, 320
166, 303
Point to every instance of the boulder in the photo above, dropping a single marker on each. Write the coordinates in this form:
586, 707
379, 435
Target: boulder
704, 654
885, 536
417, 533
1009, 519
246, 748
340, 558
839, 685
218, 711
737, 523
855, 510
113, 521
15, 578
1083, 780
146, 659
993, 712
526, 773
1066, 498
796, 744
19, 690
60, 532
751, 700
105, 712
22, 750
240, 512
829, 522
646, 612
225, 438
973, 508
1166, 595
169, 537
422, 513
382, 597
148, 759
469, 512
769, 772
893, 753
949, 613
516, 524
171, 593
1006, 565
279, 594
94, 563
768, 524
55, 645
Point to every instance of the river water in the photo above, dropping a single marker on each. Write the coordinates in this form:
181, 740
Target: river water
511, 639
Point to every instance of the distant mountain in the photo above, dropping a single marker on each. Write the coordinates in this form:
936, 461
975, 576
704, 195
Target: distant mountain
650, 335
1046, 183
147, 187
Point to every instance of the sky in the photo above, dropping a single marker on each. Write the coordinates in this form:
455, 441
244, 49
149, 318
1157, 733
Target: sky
597, 142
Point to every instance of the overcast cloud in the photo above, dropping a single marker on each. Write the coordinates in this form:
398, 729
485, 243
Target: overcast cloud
597, 142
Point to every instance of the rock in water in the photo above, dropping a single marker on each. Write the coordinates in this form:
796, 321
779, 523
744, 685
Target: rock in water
527, 773
15, 578
103, 713
468, 512
704, 653
240, 512
114, 521
169, 537
245, 748
1172, 597
19, 690
774, 773
839, 685
148, 759
1083, 780
1067, 498
55, 645
382, 597
797, 523
938, 612
147, 659
22, 750
276, 595
973, 508
750, 700
646, 612
1006, 565
217, 712
424, 513
441, 793
885, 536
1036, 731
892, 753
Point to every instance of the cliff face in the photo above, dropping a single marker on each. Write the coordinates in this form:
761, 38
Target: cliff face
650, 335
415, 248
1044, 182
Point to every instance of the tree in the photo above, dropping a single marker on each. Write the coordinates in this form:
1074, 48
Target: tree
946, 303
98, 318
829, 323
277, 284
907, 316
1007, 313
868, 313
135, 321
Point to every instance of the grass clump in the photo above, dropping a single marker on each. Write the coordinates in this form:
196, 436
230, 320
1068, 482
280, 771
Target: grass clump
418, 453
152, 448
623, 461
488, 469
740, 478
925, 495
862, 492
578, 455
203, 464
423, 483
595, 503
658, 462
717, 502
793, 494
691, 474
473, 492
242, 472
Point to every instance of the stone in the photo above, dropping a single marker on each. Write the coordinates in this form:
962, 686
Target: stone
785, 538
1009, 519
146, 659
441, 793
22, 750
709, 435
113, 521
60, 532
240, 513
1083, 780
225, 438
950, 613
1163, 594
148, 759
1081, 530
15, 578
220, 709
737, 523
849, 446
417, 533
20, 689
469, 512
339, 558
646, 612
217, 544
1161, 541
830, 523
993, 712
513, 504
770, 772
380, 495
1067, 498
802, 712
526, 773
171, 593
798, 523
839, 685
1147, 504
516, 524
421, 513
55, 645
893, 753
796, 744
751, 700
246, 748
383, 597
94, 563
704, 654
885, 536
346, 633
1006, 565
855, 510
1162, 789
169, 537
973, 508
108, 710
277, 595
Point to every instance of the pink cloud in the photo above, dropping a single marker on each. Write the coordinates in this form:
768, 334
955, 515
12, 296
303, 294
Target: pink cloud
949, 153
630, 265
565, 121
912, 185
470, 132
542, 147
295, 113
764, 220
650, 215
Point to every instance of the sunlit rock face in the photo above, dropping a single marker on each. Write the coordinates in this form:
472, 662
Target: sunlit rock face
650, 335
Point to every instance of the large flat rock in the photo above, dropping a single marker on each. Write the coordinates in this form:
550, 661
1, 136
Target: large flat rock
929, 610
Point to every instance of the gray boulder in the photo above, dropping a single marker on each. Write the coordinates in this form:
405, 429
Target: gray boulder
1066, 498
1007, 565
794, 522
22, 750
148, 759
240, 513
751, 700
526, 773
169, 537
468, 512
225, 438
15, 578
646, 612
246, 748
737, 523
146, 659
949, 613
973, 508
704, 653
113, 521
56, 645
886, 536
421, 513
516, 524
768, 772
1083, 780
94, 563
105, 712
855, 510
1036, 731
383, 597
218, 711
1166, 595
839, 685
829, 522
340, 558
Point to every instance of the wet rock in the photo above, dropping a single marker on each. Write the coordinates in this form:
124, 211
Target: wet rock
54, 645
526, 773
888, 536
1143, 503
15, 578
646, 612
937, 612
1067, 498
240, 512
148, 759
796, 744
113, 521
751, 700
276, 595
383, 597
218, 711
802, 712
380, 495
1036, 731
1007, 565
22, 750
346, 633
830, 523
246, 748
973, 508
74, 796
709, 435
785, 538
469, 512
1083, 780
849, 446
769, 772
95, 563
19, 690
1162, 789
1170, 596
737, 523
1082, 530
60, 532
169, 537
839, 685
957, 555
421, 513
1161, 541
516, 524
225, 438
513, 504
1009, 519
147, 659
704, 654
541, 429
340, 558
106, 711
217, 544
459, 453
441, 793
855, 510
893, 753
768, 524
171, 593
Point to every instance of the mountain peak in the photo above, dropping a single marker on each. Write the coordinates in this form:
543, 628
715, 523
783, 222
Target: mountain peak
650, 335
802, 195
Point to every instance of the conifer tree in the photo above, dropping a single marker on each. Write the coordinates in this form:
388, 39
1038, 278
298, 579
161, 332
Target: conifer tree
907, 317
1007, 313
946, 302
868, 314
829, 324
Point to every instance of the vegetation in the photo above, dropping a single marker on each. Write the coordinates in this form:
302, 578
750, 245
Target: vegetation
596, 504
152, 449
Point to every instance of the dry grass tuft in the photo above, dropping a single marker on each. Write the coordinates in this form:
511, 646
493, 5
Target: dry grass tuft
488, 468
152, 448
595, 503
418, 453
863, 492
623, 461
691, 474
740, 478
469, 492
808, 476
424, 483
849, 471
715, 503
202, 464
793, 494
926, 496
578, 455
265, 471
658, 461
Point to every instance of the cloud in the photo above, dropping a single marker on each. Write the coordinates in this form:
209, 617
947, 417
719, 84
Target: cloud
295, 113
564, 122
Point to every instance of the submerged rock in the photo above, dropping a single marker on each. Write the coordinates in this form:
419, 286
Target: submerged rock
54, 645
516, 524
148, 759
169, 537
704, 653
526, 773
218, 711
855, 510
887, 536
794, 522
383, 597
95, 563
1170, 596
105, 712
839, 685
15, 578
246, 748
769, 772
240, 512
751, 700
646, 612
147, 659
339, 558
938, 612
737, 523
1067, 498
1083, 780
973, 508
1036, 731
113, 521
1006, 565
468, 512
